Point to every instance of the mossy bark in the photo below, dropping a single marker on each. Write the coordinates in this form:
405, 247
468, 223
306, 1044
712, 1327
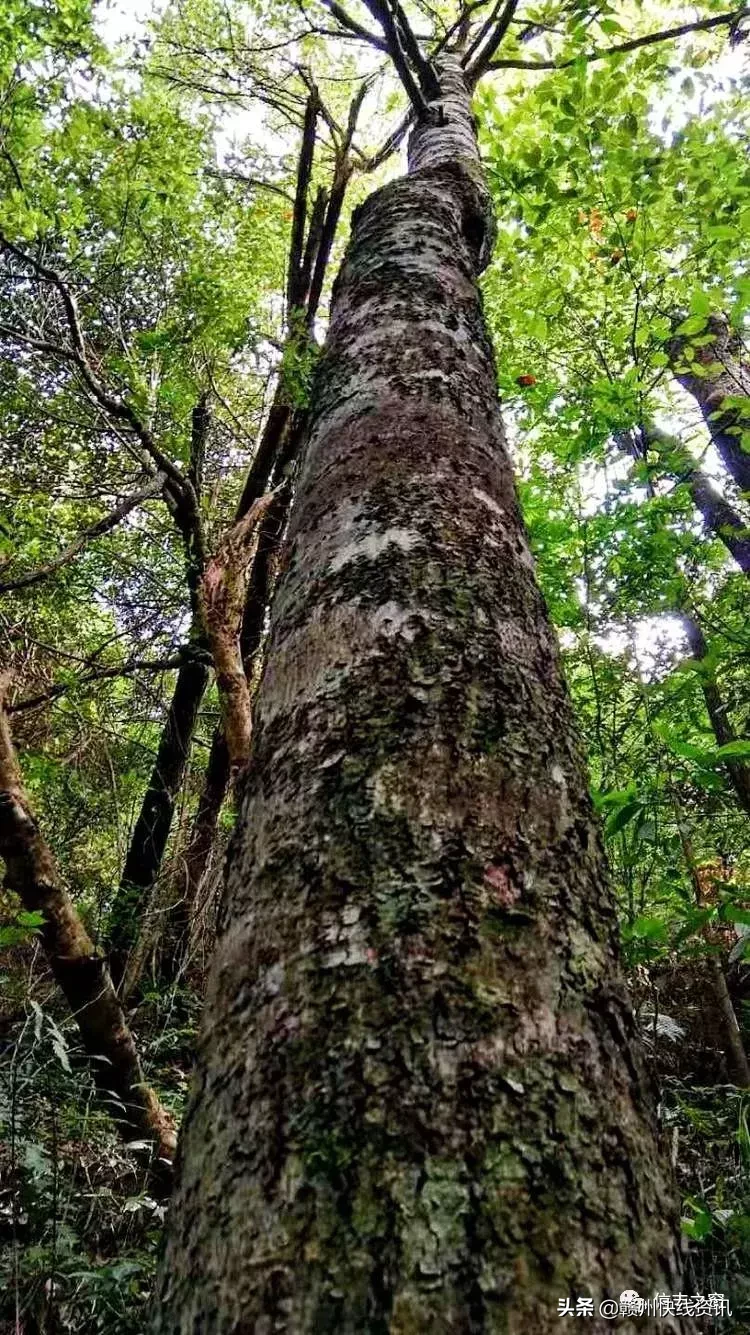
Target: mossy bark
420, 1105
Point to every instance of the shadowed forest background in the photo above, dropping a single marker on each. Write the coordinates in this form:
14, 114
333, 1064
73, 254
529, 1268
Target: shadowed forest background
177, 185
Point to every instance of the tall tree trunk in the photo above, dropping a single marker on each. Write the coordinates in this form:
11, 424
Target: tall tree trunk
738, 771
735, 1048
723, 520
193, 865
78, 969
720, 517
723, 398
277, 448
151, 831
420, 1105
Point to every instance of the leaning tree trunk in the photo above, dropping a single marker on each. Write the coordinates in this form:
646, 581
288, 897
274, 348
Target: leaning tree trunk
420, 1104
77, 966
723, 397
721, 518
734, 1047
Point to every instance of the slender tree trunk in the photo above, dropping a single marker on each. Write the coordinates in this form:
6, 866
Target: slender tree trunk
193, 865
724, 521
734, 1047
151, 832
277, 448
724, 398
718, 713
420, 1105
78, 969
719, 516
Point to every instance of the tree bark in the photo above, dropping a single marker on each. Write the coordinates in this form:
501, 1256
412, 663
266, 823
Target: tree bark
420, 1103
78, 969
711, 393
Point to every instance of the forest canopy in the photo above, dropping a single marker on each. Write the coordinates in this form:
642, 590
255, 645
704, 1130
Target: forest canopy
180, 184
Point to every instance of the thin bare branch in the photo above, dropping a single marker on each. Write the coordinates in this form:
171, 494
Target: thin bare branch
186, 511
255, 181
152, 488
731, 19
354, 27
489, 38
127, 669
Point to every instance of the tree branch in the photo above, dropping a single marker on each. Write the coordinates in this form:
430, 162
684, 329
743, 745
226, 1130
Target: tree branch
731, 19
127, 669
230, 175
120, 409
380, 10
479, 55
354, 27
295, 278
152, 488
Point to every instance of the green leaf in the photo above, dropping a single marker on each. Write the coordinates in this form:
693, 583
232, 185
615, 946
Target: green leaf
649, 929
622, 817
694, 324
732, 913
698, 1227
